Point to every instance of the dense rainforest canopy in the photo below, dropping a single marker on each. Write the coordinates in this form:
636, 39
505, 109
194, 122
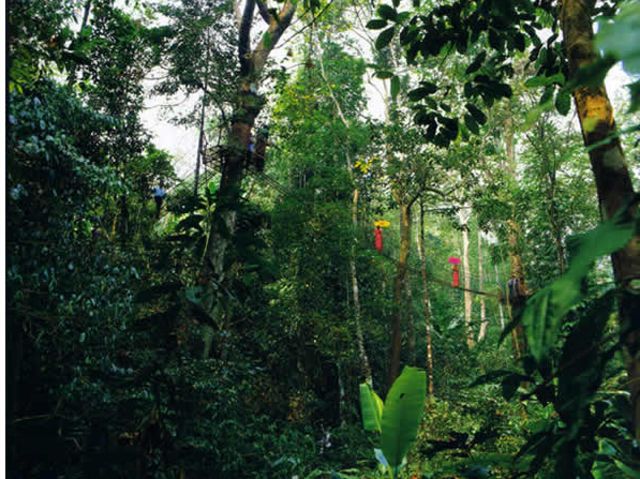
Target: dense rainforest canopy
408, 245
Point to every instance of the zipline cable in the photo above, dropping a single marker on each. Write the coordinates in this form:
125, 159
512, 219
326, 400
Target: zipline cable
286, 190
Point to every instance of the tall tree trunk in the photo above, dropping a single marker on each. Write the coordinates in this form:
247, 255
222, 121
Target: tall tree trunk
123, 219
500, 309
468, 299
557, 236
71, 78
341, 394
205, 91
411, 327
85, 14
425, 301
196, 181
517, 272
550, 174
612, 178
365, 367
247, 107
484, 323
398, 292
513, 240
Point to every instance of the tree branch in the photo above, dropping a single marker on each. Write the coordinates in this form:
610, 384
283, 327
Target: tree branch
264, 11
272, 35
244, 37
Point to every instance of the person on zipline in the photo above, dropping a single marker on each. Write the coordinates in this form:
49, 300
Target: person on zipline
378, 239
159, 194
377, 233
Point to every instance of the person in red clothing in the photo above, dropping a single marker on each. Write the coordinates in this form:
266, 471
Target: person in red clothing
378, 239
454, 262
456, 277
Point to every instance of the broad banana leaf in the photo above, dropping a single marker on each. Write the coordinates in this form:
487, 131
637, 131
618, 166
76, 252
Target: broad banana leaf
402, 414
371, 407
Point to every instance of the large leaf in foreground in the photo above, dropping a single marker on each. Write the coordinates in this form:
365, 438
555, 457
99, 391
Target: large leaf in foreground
402, 414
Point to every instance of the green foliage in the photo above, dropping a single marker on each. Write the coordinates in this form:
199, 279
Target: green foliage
199, 47
385, 38
401, 415
618, 38
546, 308
371, 407
127, 360
398, 419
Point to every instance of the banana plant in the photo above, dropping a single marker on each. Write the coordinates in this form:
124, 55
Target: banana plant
397, 419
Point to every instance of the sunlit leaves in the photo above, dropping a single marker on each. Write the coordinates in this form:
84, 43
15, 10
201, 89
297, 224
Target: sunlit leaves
398, 418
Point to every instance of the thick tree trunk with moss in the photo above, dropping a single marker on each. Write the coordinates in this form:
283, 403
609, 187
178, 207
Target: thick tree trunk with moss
399, 286
517, 272
613, 180
425, 302
247, 107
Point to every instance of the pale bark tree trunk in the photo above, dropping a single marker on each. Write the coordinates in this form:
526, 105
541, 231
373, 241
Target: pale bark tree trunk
425, 301
500, 309
468, 299
484, 323
357, 312
398, 292
85, 14
613, 181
